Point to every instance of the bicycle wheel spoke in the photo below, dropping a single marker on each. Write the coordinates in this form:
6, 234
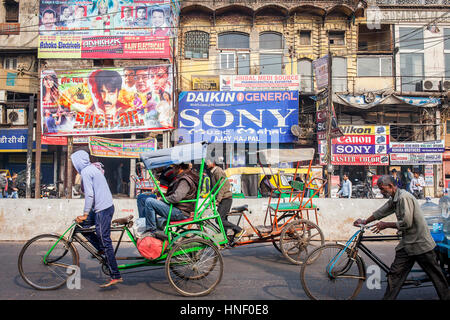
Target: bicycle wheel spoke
329, 275
51, 272
200, 272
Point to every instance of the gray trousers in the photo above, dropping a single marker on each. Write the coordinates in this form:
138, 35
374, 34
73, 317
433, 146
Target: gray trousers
403, 264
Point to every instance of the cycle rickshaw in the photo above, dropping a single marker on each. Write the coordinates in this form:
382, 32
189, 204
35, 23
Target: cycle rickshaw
287, 219
191, 258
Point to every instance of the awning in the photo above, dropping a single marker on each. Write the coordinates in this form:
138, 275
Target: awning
446, 155
176, 155
275, 156
367, 101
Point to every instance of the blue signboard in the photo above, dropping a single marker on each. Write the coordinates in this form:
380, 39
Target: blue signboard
15, 140
237, 116
359, 149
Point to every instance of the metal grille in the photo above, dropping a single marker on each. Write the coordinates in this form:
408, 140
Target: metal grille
196, 45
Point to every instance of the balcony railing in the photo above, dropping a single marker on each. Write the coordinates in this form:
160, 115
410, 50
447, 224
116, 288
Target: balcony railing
287, 3
410, 2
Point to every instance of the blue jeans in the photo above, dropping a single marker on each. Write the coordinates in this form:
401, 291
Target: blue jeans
101, 239
141, 202
153, 207
13, 195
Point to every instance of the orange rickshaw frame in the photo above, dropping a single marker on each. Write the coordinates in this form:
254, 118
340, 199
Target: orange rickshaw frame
288, 230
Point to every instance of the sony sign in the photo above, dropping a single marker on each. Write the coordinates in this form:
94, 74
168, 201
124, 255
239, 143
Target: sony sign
219, 115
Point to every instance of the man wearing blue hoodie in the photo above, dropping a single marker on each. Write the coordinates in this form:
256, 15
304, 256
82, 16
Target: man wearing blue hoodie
98, 210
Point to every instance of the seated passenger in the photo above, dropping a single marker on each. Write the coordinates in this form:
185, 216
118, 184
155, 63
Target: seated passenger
184, 187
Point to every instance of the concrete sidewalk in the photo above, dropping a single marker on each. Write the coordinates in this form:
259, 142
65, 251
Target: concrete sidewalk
21, 219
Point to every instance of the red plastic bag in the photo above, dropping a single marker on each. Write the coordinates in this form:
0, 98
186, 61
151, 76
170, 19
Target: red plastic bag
150, 247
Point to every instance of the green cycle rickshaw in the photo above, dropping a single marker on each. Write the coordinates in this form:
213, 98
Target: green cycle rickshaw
191, 256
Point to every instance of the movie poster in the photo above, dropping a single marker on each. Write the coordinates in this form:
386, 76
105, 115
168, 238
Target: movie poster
107, 100
106, 28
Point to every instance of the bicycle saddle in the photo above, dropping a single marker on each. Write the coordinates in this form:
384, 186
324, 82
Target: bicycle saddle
124, 221
241, 208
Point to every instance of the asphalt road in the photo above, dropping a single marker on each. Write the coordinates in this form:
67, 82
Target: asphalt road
253, 272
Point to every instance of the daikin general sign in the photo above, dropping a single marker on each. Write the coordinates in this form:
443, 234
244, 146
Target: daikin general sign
237, 117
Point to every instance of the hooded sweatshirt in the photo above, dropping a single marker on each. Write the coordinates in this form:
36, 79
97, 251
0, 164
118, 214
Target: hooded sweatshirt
96, 191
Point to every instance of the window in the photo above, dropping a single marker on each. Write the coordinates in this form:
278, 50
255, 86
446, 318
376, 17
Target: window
227, 60
234, 40
336, 38
374, 67
305, 38
270, 64
243, 63
10, 63
271, 53
411, 70
446, 39
410, 38
305, 70
270, 41
12, 11
196, 45
339, 72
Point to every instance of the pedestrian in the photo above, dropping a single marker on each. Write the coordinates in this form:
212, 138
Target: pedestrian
3, 184
408, 178
417, 184
346, 188
416, 244
98, 211
12, 187
396, 178
224, 198
119, 178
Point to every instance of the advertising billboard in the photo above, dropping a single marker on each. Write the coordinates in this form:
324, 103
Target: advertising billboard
106, 29
107, 100
360, 145
120, 148
259, 82
237, 117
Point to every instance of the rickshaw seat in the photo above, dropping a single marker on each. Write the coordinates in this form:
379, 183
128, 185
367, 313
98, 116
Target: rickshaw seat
292, 206
182, 221
240, 208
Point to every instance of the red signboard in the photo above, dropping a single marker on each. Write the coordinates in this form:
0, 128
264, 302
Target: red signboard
55, 141
360, 160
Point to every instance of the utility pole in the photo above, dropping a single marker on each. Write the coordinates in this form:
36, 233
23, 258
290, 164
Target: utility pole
329, 118
69, 167
29, 146
37, 166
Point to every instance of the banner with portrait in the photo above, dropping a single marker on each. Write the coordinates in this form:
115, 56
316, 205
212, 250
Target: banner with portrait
107, 100
106, 28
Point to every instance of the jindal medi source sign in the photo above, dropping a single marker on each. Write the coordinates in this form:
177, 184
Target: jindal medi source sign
107, 28
237, 117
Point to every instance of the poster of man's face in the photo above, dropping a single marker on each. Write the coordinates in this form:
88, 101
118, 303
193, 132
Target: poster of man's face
158, 18
141, 13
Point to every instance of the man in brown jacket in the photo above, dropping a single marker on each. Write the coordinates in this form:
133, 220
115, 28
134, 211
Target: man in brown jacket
184, 187
224, 198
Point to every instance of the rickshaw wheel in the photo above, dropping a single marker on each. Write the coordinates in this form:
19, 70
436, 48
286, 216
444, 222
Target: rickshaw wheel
194, 267
282, 220
298, 239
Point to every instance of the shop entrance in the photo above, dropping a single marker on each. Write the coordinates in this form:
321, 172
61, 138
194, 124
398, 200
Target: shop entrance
112, 167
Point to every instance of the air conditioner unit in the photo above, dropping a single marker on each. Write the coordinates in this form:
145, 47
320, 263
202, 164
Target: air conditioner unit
445, 85
17, 117
430, 85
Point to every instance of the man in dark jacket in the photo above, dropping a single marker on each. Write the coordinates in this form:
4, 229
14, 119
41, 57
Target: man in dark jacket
184, 187
224, 198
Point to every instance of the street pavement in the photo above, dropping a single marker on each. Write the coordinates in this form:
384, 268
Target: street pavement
252, 272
